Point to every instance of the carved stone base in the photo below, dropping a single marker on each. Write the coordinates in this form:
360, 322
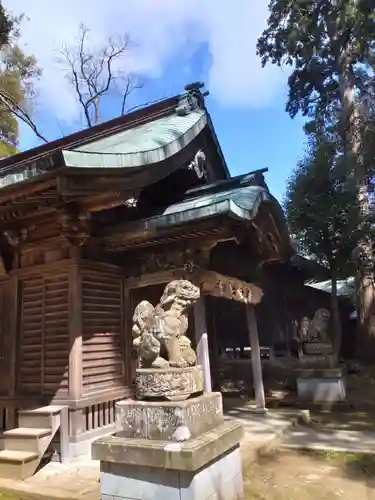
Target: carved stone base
318, 361
176, 421
174, 384
317, 348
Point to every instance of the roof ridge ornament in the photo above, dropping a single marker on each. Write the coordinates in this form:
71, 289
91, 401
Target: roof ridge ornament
191, 99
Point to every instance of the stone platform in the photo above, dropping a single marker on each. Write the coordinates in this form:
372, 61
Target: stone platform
172, 451
79, 480
321, 385
198, 469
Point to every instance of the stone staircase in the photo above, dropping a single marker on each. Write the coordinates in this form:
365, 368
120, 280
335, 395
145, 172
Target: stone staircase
25, 446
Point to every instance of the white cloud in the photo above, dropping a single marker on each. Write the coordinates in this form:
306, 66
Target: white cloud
162, 28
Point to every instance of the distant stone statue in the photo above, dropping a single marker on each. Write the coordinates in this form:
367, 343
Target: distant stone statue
318, 327
304, 328
317, 341
159, 333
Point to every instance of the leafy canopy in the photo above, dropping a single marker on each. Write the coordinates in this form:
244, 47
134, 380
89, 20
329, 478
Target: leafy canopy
312, 37
320, 210
17, 76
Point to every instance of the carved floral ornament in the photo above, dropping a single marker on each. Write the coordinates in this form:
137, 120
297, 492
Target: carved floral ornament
75, 227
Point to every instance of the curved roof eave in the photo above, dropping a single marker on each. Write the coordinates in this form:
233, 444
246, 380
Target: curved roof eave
173, 217
148, 144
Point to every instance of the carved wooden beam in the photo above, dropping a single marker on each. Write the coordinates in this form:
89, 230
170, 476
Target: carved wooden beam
218, 285
75, 226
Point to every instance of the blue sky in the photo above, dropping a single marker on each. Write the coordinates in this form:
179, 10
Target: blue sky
177, 42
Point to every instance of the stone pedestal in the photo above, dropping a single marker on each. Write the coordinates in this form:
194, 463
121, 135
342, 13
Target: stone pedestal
169, 420
175, 384
167, 450
321, 385
318, 348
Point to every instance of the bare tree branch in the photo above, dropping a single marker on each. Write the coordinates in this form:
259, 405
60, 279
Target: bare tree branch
98, 72
132, 84
21, 113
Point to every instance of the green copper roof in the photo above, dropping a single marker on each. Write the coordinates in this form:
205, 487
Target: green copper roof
148, 143
139, 146
239, 202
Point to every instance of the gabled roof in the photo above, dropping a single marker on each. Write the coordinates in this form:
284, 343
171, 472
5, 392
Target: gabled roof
144, 137
239, 198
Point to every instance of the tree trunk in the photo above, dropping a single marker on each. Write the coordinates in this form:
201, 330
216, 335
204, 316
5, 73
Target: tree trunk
336, 318
352, 138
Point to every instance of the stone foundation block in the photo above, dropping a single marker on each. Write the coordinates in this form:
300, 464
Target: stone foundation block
321, 386
220, 479
169, 420
206, 468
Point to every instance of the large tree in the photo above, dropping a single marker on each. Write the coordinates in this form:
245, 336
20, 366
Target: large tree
322, 213
329, 46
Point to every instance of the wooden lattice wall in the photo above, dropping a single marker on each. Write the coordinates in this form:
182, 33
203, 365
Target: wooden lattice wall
44, 334
102, 331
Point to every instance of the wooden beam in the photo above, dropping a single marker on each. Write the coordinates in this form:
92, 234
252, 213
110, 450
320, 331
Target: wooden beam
218, 285
155, 278
75, 332
33, 185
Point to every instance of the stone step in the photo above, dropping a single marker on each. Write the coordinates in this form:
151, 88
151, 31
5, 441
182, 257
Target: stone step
27, 439
43, 410
27, 433
17, 464
43, 417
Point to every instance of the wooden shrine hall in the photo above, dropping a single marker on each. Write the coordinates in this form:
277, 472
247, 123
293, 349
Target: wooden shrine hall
97, 221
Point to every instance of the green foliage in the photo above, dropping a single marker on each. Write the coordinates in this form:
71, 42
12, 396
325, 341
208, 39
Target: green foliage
322, 41
321, 210
312, 37
7, 149
18, 73
6, 25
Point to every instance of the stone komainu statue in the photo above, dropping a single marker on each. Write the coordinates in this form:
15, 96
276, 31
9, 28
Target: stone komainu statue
318, 326
159, 333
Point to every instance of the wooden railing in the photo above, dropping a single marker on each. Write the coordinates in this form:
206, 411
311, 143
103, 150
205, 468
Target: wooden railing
100, 415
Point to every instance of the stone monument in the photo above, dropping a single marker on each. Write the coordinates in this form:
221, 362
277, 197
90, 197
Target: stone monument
171, 441
319, 378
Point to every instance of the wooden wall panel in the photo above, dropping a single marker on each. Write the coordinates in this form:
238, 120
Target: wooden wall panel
5, 340
102, 330
44, 334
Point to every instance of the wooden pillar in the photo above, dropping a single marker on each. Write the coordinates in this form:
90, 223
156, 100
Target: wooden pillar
127, 346
13, 313
201, 338
75, 332
256, 362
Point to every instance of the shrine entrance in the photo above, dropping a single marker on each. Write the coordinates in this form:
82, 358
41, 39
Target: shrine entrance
202, 323
249, 295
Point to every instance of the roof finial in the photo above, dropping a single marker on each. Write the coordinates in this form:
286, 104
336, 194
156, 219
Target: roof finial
191, 99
